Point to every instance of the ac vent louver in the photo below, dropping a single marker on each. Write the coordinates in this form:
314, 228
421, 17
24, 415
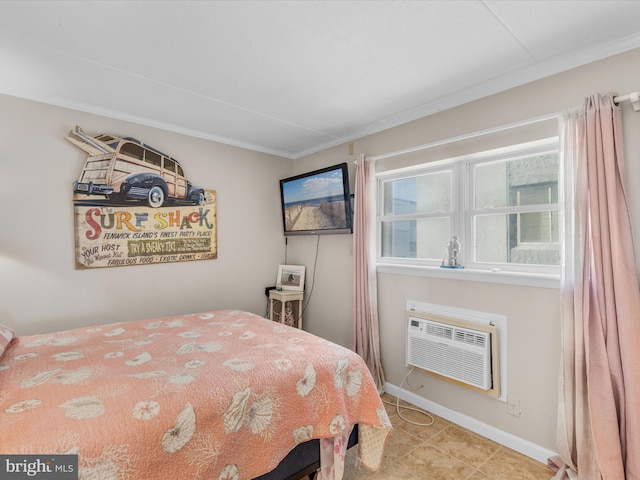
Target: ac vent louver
470, 338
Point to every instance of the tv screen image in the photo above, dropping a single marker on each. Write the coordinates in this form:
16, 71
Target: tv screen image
317, 202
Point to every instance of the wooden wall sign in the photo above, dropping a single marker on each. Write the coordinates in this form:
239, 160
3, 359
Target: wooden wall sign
133, 205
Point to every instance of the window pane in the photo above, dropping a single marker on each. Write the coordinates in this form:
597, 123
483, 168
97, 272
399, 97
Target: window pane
153, 158
132, 150
524, 181
536, 194
535, 227
169, 165
429, 193
525, 238
423, 238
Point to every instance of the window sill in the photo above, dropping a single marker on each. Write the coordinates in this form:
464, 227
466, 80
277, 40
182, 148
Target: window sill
474, 275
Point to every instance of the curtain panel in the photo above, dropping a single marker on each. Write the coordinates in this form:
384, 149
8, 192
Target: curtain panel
598, 434
366, 335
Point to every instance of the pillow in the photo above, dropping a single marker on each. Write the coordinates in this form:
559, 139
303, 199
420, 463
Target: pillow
6, 335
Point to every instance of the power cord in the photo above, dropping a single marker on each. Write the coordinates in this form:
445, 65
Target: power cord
313, 277
404, 407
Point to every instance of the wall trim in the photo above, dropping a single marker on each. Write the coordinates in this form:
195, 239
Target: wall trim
520, 445
473, 316
473, 275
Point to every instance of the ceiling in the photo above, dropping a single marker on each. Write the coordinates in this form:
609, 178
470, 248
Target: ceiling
292, 78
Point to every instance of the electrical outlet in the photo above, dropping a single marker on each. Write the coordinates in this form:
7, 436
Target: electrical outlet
513, 406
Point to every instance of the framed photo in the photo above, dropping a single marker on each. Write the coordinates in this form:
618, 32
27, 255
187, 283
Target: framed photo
290, 277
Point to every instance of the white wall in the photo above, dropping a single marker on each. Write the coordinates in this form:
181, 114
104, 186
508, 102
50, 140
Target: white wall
532, 313
40, 289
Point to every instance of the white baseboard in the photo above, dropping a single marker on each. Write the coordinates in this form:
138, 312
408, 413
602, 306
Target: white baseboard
518, 444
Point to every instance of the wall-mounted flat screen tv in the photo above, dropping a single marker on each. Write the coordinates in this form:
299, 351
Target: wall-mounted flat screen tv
317, 202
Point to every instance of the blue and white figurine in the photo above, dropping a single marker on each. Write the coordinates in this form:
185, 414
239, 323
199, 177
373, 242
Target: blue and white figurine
451, 257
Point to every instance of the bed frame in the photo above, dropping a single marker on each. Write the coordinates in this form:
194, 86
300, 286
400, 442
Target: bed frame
302, 461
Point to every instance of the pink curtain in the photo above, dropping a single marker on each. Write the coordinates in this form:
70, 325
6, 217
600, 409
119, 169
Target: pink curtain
366, 335
599, 397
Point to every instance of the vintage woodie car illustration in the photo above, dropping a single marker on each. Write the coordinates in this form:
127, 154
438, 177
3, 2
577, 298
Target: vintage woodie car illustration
123, 169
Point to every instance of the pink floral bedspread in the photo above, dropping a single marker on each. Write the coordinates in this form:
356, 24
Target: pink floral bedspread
217, 395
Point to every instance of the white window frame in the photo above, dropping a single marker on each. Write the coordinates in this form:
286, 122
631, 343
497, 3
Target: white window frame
462, 221
453, 214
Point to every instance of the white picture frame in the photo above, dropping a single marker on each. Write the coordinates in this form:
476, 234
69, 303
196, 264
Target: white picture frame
290, 277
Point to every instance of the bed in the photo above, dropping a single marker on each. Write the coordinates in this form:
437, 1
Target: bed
215, 395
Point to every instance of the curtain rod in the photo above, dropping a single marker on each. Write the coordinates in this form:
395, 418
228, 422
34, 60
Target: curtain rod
634, 98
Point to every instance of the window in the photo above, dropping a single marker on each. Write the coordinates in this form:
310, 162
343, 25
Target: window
514, 217
152, 158
418, 215
501, 204
133, 150
169, 165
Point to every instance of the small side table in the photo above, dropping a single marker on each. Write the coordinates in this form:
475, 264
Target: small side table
285, 306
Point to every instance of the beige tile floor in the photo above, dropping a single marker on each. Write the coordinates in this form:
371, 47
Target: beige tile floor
443, 451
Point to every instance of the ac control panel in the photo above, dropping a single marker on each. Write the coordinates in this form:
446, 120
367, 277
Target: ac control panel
417, 325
